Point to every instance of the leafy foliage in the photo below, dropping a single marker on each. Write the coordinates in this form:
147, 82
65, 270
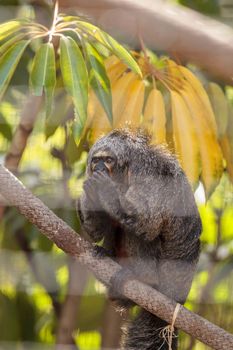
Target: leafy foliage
112, 92
78, 51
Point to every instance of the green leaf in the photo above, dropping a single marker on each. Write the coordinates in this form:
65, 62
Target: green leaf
43, 75
5, 128
121, 52
62, 105
8, 28
72, 151
112, 45
99, 80
75, 77
8, 63
4, 47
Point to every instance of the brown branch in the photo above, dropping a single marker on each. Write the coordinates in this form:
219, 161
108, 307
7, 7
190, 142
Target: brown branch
104, 268
174, 29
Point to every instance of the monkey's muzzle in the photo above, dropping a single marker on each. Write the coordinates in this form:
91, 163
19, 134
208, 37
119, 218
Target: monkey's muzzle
100, 167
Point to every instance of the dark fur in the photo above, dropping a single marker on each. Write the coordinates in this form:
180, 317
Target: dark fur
147, 216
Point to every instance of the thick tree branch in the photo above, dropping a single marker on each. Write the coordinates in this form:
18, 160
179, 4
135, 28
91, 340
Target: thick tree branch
174, 29
104, 268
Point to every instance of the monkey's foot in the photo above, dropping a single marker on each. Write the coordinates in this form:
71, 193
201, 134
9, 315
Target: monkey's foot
100, 252
116, 287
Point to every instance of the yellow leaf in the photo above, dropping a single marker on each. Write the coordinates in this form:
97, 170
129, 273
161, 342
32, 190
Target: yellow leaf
211, 155
220, 107
115, 68
154, 119
100, 124
134, 99
227, 151
120, 92
185, 138
198, 89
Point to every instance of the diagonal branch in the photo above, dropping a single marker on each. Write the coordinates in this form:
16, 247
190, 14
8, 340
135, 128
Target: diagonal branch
104, 268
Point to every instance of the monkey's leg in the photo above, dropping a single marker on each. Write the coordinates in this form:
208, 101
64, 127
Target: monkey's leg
145, 332
116, 286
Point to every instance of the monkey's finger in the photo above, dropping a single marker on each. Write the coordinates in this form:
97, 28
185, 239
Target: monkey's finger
90, 190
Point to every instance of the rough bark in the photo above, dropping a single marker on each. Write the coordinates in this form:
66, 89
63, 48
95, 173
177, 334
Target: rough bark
104, 268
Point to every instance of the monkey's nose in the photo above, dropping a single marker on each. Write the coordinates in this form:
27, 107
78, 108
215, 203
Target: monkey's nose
101, 167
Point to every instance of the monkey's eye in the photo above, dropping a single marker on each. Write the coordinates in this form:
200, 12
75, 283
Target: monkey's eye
109, 160
95, 160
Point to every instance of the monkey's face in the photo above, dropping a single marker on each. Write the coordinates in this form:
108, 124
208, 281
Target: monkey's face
103, 161
110, 155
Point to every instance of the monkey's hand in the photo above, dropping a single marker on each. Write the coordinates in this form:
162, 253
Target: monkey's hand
107, 191
91, 195
93, 217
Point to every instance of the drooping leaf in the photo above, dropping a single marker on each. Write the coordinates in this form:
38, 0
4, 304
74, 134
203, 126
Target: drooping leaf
154, 119
211, 155
185, 138
4, 47
75, 77
8, 63
220, 107
112, 45
8, 28
43, 75
121, 52
99, 80
134, 99
73, 151
60, 113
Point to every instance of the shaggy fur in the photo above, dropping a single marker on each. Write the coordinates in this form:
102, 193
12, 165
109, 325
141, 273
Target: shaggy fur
146, 215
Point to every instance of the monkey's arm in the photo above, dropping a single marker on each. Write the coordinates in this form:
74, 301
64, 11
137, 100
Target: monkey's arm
93, 219
136, 210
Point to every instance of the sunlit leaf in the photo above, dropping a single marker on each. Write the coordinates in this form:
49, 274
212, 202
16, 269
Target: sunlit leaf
8, 28
8, 63
43, 75
75, 77
220, 107
10, 42
112, 45
99, 80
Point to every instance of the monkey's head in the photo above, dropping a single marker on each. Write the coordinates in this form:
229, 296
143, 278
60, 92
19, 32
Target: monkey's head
114, 153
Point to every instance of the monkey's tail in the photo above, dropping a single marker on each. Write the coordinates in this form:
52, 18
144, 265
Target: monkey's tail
146, 333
